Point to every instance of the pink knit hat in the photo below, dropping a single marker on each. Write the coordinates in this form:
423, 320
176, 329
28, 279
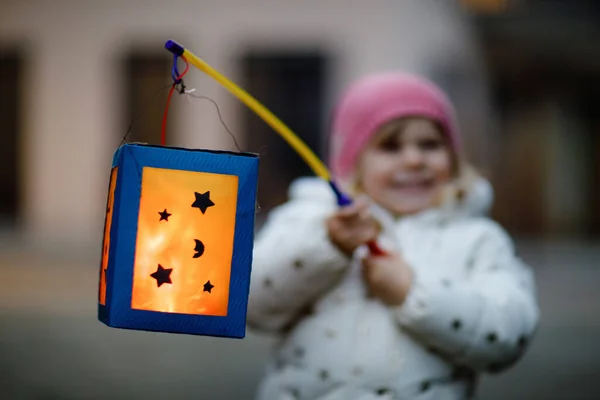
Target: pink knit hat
377, 99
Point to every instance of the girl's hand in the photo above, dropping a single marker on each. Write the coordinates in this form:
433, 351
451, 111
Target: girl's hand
388, 278
352, 226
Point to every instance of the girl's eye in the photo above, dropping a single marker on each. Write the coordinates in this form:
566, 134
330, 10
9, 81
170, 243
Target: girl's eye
389, 145
431, 144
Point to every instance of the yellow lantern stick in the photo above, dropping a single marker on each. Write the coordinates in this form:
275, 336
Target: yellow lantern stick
286, 133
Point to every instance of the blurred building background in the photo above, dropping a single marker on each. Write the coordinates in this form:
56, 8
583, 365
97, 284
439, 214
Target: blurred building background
524, 75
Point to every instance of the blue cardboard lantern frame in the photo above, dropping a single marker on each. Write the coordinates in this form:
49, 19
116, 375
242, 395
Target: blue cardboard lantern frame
130, 159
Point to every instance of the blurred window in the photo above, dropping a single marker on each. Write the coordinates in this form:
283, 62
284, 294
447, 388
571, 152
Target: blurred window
292, 86
144, 74
11, 79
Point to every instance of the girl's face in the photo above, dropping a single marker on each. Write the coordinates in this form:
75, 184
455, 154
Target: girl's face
406, 165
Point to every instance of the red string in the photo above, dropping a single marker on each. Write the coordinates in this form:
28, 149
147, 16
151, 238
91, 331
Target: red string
187, 66
163, 137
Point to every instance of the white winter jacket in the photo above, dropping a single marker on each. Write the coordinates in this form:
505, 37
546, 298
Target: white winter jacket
472, 307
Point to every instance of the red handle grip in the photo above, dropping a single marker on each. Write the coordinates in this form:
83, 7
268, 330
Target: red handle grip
375, 249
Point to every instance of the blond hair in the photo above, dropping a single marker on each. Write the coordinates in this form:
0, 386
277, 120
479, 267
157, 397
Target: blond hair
455, 192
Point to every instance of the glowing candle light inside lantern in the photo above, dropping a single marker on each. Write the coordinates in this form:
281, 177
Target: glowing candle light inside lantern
184, 244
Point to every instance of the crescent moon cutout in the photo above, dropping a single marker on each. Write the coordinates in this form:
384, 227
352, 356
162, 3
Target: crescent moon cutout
199, 249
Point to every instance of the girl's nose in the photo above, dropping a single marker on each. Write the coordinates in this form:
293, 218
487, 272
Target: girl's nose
412, 157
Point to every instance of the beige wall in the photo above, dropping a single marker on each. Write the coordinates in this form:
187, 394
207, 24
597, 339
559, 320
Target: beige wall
72, 99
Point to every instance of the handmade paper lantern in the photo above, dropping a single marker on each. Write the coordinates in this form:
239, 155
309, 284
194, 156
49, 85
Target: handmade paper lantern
178, 240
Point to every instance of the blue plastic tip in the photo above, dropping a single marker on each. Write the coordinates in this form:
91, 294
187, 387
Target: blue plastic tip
174, 47
342, 199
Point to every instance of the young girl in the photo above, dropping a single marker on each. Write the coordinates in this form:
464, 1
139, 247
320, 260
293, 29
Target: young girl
449, 299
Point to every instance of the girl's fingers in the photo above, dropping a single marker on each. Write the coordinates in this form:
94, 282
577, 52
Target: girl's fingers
361, 215
365, 215
349, 211
367, 262
355, 207
363, 200
370, 235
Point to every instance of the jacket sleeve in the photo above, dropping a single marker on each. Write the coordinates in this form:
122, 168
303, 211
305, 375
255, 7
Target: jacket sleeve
484, 320
294, 262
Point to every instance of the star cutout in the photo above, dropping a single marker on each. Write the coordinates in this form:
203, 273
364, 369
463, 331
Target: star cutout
208, 287
162, 275
203, 201
164, 215
199, 249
